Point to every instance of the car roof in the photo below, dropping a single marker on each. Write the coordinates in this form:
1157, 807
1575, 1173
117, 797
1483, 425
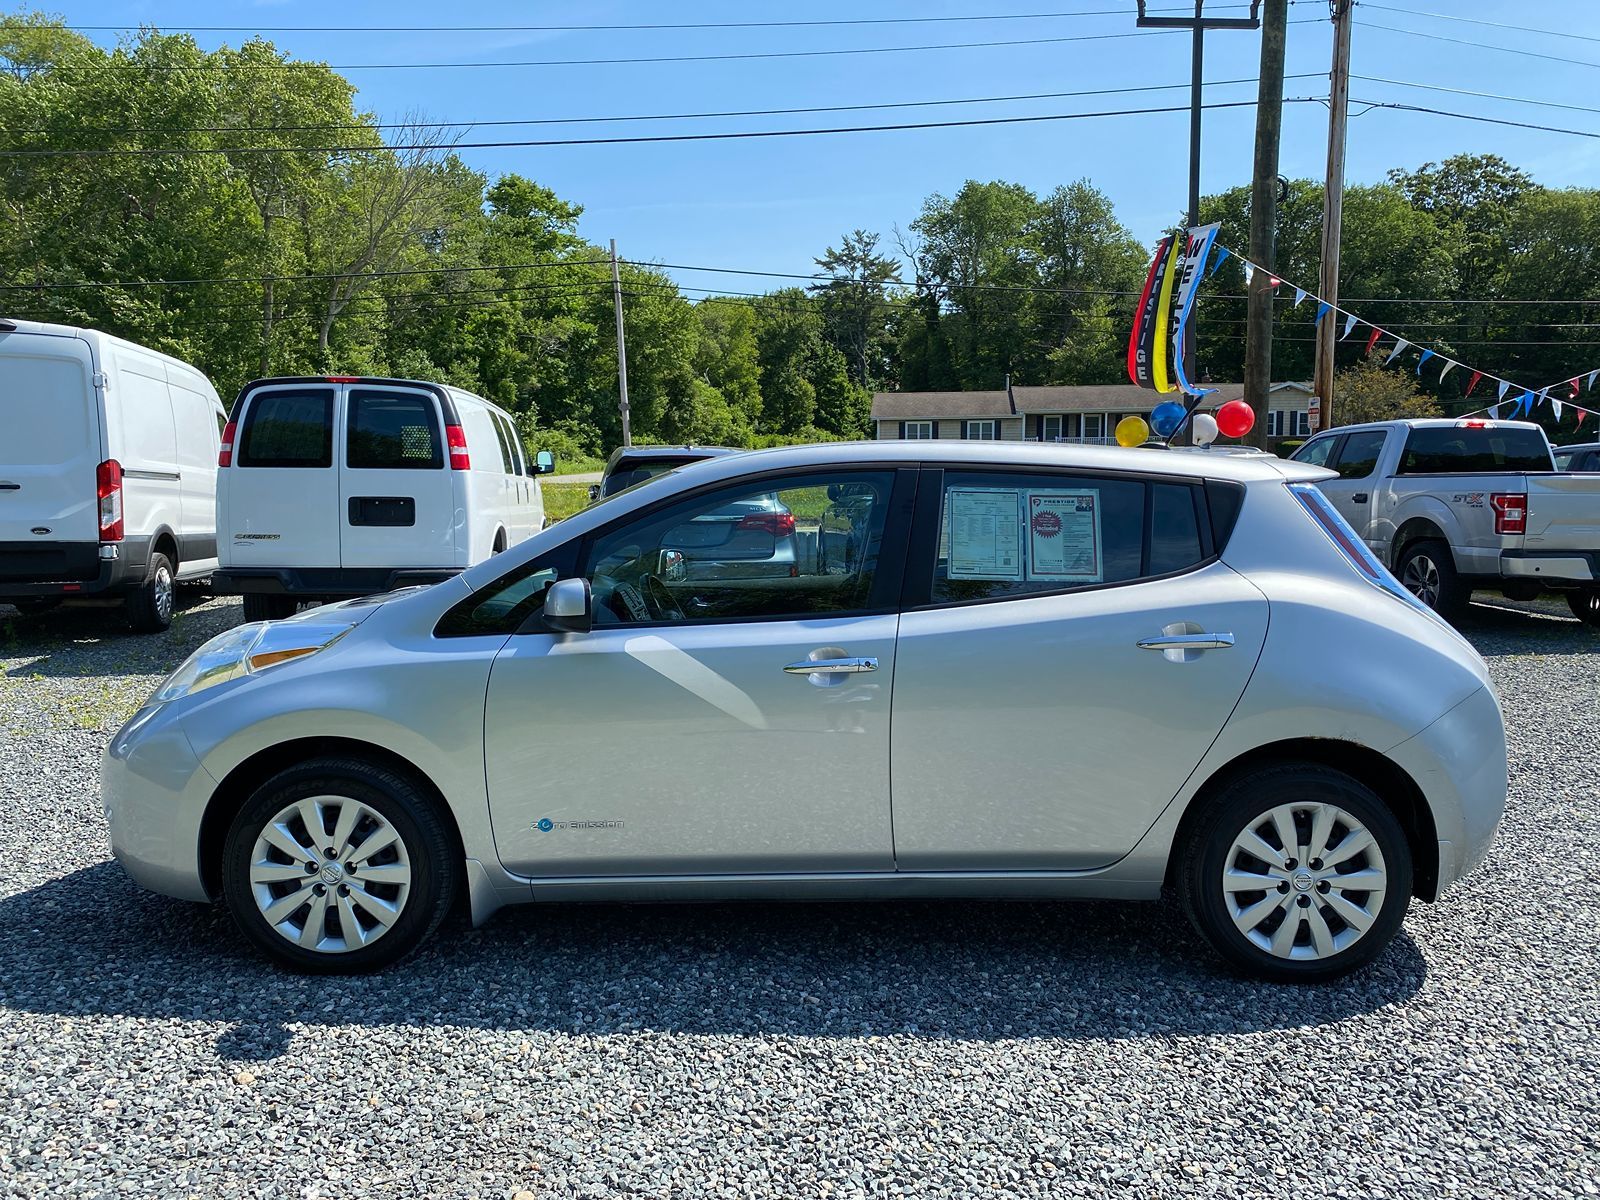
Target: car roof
631, 454
1572, 447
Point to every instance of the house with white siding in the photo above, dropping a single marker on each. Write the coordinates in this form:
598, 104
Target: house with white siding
1078, 413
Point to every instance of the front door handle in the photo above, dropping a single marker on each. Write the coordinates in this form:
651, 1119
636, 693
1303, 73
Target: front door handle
1188, 641
832, 666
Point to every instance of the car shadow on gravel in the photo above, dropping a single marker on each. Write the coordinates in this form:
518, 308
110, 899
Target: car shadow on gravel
1507, 627
78, 642
91, 943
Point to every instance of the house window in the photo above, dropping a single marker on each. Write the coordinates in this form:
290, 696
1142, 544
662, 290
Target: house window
983, 431
1288, 422
1094, 426
918, 430
1049, 429
1275, 422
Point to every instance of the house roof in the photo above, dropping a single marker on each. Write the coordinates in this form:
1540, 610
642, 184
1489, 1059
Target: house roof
1109, 397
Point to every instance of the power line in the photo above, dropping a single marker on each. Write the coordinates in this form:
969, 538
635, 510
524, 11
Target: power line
259, 279
1412, 12
1439, 37
157, 151
605, 62
1433, 87
1482, 120
747, 112
258, 29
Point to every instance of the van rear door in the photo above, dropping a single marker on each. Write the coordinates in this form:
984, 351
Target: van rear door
396, 496
281, 495
49, 513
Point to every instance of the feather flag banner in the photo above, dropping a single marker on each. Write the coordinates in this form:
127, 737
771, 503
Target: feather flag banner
1148, 329
1395, 353
1201, 238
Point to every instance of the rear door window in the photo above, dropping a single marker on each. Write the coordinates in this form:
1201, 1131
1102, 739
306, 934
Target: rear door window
1358, 457
1007, 534
1468, 449
292, 427
392, 431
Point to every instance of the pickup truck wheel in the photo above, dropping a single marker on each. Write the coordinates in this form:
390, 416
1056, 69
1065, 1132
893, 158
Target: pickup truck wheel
1428, 572
1585, 606
269, 608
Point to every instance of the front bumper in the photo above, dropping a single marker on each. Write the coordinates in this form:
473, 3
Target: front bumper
154, 792
1459, 762
323, 583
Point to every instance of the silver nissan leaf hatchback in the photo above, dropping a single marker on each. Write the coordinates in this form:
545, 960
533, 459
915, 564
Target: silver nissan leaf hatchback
994, 671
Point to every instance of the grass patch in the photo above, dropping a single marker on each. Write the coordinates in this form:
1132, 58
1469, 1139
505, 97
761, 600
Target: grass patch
561, 500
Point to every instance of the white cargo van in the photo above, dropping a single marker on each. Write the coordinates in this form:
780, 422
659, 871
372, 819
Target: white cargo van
340, 486
108, 472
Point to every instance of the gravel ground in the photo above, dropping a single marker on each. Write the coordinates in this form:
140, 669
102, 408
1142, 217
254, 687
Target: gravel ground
817, 1050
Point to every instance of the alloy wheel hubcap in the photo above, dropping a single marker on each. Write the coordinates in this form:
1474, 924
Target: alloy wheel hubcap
164, 593
330, 874
1304, 881
1421, 579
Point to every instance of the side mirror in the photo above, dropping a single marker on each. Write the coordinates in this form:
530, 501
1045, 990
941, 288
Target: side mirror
544, 463
594, 492
569, 606
672, 566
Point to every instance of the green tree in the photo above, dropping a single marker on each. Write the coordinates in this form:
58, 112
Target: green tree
854, 306
1369, 391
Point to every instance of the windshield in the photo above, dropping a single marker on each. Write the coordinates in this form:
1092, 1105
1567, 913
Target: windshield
628, 474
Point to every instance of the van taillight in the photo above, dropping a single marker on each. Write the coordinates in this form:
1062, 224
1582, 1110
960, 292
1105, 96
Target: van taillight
456, 438
777, 524
108, 488
225, 450
1510, 511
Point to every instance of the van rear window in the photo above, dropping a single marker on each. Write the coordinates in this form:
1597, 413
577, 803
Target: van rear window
1454, 449
393, 431
289, 428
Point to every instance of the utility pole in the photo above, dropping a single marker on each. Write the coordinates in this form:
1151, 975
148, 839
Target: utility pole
1263, 219
1199, 23
622, 349
1333, 202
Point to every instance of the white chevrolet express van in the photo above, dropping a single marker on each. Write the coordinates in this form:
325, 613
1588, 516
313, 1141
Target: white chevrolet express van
108, 469
341, 486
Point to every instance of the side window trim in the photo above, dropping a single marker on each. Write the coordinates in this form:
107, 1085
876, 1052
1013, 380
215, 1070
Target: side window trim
916, 592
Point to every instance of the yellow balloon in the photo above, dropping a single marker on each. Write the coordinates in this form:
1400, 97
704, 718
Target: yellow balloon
1132, 431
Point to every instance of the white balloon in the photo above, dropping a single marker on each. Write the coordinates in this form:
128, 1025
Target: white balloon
1204, 429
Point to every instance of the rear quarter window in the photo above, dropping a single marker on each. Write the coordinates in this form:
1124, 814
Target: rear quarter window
1444, 450
289, 428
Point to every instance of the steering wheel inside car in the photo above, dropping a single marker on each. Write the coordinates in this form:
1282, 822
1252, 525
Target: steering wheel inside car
658, 599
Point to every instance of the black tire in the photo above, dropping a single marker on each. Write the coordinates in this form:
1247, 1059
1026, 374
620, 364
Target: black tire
433, 861
1238, 806
1585, 605
149, 606
1427, 570
259, 607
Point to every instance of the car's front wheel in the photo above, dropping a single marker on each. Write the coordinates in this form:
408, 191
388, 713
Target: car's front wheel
338, 866
1296, 873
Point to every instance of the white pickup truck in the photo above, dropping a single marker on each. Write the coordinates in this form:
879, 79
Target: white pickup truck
1453, 505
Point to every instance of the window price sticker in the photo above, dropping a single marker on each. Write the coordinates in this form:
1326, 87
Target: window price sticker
1064, 536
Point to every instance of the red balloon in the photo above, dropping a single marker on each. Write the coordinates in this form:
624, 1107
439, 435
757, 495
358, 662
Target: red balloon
1235, 418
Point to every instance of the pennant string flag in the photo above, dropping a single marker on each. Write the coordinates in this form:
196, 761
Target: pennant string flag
1349, 324
1222, 255
1373, 340
1449, 366
1400, 345
1299, 295
1426, 355
1323, 307
1592, 374
1504, 388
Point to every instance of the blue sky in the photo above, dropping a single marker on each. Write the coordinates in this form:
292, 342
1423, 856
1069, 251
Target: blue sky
773, 204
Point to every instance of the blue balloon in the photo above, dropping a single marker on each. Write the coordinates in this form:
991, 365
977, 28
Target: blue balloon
1166, 417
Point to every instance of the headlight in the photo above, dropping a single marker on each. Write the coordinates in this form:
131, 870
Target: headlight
248, 650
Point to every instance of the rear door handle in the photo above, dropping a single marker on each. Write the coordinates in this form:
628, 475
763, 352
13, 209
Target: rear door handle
1188, 641
832, 666
1360, 497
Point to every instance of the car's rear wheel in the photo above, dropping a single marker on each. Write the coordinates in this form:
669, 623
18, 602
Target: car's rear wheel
1296, 873
338, 866
149, 606
259, 607
1428, 572
1585, 605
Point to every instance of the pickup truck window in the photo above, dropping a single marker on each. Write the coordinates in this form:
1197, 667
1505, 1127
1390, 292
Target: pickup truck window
1453, 449
1316, 452
1358, 457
